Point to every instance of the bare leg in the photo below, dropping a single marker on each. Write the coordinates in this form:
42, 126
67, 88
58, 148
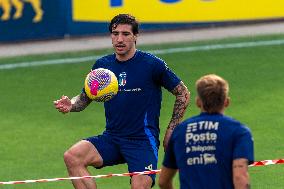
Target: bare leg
77, 159
141, 182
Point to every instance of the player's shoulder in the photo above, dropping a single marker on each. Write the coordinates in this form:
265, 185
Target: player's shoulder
106, 58
232, 120
236, 124
149, 57
104, 61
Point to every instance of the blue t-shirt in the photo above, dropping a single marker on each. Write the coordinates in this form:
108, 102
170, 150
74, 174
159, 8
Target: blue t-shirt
134, 112
203, 149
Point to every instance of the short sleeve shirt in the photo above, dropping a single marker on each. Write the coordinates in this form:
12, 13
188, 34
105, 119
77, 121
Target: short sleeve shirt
134, 112
203, 148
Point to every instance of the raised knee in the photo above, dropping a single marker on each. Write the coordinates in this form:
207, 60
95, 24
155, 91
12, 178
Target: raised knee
71, 159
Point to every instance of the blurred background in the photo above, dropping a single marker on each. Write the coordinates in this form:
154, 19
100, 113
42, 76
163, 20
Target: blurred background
26, 20
48, 46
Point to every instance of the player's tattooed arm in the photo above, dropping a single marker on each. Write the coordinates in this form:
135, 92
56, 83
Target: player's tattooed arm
182, 100
80, 102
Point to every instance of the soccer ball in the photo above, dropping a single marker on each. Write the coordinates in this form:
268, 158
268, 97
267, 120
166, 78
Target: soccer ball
101, 85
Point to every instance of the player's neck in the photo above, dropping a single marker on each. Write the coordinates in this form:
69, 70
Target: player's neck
222, 111
126, 56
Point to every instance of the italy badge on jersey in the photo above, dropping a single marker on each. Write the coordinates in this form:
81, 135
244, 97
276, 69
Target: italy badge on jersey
122, 79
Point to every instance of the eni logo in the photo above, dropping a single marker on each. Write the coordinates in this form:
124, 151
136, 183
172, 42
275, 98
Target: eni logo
118, 3
7, 6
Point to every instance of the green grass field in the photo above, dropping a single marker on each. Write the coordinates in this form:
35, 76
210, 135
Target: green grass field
34, 136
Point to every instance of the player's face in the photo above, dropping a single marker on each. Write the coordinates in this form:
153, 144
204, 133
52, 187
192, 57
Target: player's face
123, 41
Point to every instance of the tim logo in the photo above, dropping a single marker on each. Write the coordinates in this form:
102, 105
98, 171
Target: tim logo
7, 6
122, 79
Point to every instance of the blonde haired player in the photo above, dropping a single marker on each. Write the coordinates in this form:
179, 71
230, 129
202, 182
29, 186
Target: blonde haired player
210, 150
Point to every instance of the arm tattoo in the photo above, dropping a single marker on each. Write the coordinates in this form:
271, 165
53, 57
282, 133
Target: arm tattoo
80, 102
182, 100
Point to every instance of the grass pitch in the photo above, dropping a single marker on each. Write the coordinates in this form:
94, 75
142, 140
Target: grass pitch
34, 136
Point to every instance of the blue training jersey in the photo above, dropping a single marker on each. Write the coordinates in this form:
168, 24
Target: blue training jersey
134, 112
203, 149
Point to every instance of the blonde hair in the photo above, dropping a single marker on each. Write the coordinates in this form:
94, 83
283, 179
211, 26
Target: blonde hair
213, 91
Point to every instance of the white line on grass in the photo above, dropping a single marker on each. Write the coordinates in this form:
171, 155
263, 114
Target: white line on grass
157, 52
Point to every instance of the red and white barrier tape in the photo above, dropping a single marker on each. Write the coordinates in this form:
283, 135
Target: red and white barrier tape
83, 177
257, 163
267, 162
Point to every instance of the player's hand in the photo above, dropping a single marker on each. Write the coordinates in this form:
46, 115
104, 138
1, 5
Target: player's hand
167, 137
63, 104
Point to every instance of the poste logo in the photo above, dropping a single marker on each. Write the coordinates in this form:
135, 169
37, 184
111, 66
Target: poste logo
174, 11
19, 5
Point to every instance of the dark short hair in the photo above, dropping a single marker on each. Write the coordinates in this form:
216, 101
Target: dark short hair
212, 90
124, 19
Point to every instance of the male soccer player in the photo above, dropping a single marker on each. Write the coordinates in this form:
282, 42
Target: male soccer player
210, 150
132, 116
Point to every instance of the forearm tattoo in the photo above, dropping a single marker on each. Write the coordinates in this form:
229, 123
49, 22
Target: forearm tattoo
182, 100
80, 102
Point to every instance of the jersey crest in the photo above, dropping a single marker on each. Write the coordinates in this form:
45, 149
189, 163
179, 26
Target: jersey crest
122, 79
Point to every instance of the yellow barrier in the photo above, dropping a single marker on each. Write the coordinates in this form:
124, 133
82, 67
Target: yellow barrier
172, 11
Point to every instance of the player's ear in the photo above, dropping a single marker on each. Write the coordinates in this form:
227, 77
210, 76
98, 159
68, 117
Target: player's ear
135, 37
227, 102
198, 102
